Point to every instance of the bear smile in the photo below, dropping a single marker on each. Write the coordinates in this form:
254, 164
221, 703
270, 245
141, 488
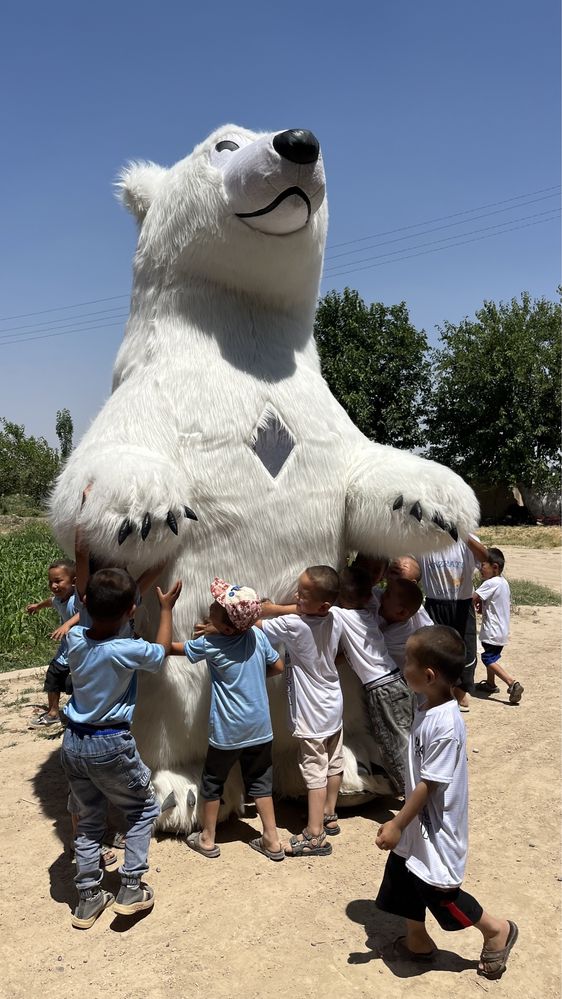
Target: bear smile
288, 193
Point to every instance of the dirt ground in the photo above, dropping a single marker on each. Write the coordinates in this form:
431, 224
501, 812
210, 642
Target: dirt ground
241, 926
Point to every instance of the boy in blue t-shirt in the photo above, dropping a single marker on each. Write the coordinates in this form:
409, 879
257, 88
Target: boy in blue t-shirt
98, 753
239, 658
64, 600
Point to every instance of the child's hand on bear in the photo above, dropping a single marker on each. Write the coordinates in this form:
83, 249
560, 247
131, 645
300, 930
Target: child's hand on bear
167, 600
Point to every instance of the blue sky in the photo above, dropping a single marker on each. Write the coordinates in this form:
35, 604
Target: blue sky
423, 111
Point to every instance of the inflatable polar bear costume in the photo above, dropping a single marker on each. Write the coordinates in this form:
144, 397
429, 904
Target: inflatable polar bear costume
219, 407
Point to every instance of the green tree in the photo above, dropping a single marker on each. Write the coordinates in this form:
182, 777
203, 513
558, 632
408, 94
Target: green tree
376, 364
495, 408
28, 465
64, 428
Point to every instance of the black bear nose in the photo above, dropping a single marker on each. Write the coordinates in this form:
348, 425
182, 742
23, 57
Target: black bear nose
297, 145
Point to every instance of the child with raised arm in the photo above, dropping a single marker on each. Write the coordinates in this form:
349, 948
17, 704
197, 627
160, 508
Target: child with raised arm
239, 658
429, 835
64, 600
311, 638
389, 701
98, 753
492, 599
399, 604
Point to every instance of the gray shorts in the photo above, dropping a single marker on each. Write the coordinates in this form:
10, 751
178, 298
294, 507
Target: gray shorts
391, 712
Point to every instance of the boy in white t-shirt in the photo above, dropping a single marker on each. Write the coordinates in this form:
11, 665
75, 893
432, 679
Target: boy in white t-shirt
389, 702
429, 835
311, 638
492, 599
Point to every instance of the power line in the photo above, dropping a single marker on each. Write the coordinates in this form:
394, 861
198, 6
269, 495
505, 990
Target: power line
47, 336
443, 218
63, 308
86, 324
449, 225
423, 253
54, 322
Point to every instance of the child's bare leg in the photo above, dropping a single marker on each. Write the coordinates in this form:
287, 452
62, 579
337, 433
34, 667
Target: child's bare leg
266, 812
74, 820
210, 816
495, 932
316, 810
53, 700
498, 671
417, 938
461, 696
332, 791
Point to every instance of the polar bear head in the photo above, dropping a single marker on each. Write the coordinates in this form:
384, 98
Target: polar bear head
244, 210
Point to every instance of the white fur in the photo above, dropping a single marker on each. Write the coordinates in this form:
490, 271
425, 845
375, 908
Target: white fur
220, 331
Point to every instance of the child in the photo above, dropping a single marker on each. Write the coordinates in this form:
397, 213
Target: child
239, 658
428, 836
408, 567
389, 702
399, 603
311, 639
492, 600
98, 753
64, 600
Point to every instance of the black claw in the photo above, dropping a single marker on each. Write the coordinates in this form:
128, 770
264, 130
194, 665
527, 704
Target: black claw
172, 522
124, 531
398, 502
190, 798
146, 525
416, 511
438, 519
169, 802
188, 512
454, 533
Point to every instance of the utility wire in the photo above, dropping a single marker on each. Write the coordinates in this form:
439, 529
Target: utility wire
423, 253
47, 336
55, 322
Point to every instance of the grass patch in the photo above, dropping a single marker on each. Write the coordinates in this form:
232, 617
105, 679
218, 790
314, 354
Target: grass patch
527, 594
524, 537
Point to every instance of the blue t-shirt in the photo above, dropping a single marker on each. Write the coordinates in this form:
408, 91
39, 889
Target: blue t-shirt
104, 676
239, 713
65, 610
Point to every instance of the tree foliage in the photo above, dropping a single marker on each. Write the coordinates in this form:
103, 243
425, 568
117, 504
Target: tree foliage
376, 364
28, 465
64, 428
495, 409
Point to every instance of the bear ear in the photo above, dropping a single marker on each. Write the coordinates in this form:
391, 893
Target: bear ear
137, 185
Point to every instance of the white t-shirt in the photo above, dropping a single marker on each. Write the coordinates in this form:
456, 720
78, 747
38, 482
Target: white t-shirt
496, 599
435, 843
313, 683
421, 619
447, 575
364, 646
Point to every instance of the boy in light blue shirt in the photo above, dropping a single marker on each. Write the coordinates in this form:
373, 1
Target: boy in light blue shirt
64, 601
239, 658
98, 754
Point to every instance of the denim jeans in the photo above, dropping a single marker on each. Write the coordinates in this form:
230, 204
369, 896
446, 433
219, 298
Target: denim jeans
100, 769
391, 711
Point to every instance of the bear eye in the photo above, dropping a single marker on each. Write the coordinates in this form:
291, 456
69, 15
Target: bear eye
226, 144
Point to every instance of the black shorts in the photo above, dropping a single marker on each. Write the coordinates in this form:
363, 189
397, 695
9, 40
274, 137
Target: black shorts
255, 764
404, 894
57, 679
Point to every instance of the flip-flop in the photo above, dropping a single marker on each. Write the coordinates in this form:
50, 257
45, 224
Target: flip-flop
487, 688
497, 959
194, 843
108, 857
43, 719
258, 846
401, 951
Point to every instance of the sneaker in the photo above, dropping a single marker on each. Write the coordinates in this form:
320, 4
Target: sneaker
134, 898
91, 905
44, 719
515, 692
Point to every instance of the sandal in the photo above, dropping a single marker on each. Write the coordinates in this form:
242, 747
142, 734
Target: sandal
258, 845
402, 952
487, 688
44, 719
116, 840
309, 846
108, 857
515, 692
495, 961
331, 830
194, 843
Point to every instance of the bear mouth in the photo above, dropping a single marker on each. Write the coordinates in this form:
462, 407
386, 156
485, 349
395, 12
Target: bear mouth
289, 193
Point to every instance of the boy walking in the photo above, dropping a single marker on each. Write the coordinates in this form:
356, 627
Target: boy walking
98, 753
429, 835
64, 600
311, 639
492, 599
239, 658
